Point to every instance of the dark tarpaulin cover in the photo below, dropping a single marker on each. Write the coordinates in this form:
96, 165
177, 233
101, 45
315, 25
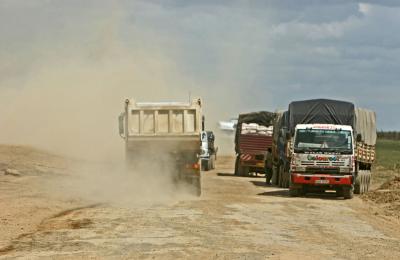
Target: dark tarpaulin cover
281, 122
322, 111
264, 118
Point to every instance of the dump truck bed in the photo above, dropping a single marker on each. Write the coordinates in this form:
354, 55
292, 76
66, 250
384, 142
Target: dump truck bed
166, 134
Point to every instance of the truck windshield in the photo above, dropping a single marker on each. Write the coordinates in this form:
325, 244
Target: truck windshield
323, 140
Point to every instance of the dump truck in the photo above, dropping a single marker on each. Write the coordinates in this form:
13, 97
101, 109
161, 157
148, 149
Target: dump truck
166, 134
253, 137
208, 154
328, 145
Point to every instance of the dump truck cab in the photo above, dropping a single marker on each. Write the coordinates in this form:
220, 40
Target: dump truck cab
208, 154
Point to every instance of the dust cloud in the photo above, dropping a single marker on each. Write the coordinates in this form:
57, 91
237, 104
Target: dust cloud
70, 107
65, 95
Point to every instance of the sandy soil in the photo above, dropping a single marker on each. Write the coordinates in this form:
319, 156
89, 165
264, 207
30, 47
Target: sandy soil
235, 218
387, 197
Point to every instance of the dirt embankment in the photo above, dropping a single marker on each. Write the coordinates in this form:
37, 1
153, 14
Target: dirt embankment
24, 200
387, 197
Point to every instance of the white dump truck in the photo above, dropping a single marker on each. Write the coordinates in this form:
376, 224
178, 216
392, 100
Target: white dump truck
165, 134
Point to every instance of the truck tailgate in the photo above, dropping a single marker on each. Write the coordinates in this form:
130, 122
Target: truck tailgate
253, 143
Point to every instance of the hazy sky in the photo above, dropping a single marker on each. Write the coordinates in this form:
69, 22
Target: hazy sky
238, 55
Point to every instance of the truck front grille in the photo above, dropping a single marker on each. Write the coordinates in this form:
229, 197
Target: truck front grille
311, 163
323, 170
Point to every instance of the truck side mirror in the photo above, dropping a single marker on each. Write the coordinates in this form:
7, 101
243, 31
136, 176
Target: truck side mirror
359, 138
121, 124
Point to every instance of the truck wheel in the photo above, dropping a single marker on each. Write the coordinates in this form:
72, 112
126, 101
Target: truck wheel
348, 192
211, 162
339, 192
357, 184
279, 179
204, 165
237, 173
368, 181
245, 171
303, 191
280, 176
364, 183
274, 180
286, 178
294, 192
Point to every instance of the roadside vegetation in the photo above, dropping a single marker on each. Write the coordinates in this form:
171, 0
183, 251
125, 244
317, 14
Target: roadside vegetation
388, 154
386, 177
387, 165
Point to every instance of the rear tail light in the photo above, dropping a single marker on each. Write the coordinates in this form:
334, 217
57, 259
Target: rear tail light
194, 166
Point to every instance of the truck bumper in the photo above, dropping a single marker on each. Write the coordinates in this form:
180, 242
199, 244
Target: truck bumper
321, 179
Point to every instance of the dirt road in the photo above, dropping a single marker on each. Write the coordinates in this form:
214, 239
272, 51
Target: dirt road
235, 218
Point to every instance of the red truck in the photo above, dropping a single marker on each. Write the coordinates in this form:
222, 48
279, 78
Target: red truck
252, 140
